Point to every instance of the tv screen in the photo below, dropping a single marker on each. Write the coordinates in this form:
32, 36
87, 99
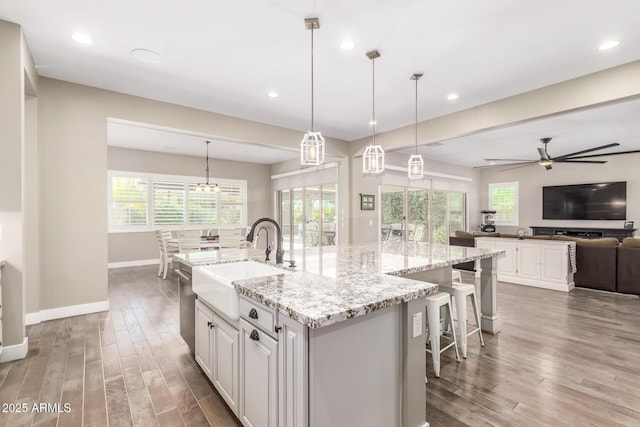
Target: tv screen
607, 200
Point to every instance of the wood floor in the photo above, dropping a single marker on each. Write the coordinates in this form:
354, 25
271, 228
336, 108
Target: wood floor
560, 360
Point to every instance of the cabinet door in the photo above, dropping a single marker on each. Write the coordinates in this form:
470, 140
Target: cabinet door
555, 263
258, 377
507, 262
225, 343
292, 379
204, 325
529, 260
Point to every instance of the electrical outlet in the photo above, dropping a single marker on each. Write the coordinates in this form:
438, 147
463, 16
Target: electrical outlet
417, 325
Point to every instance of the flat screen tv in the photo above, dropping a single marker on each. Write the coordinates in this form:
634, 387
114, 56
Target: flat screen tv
606, 200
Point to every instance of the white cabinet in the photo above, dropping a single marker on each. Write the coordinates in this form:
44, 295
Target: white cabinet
540, 263
204, 324
216, 351
225, 361
258, 377
292, 378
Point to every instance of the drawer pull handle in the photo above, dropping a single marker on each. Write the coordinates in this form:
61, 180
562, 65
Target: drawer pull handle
254, 335
253, 313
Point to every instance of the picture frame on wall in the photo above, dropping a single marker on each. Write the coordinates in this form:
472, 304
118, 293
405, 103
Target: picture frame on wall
367, 202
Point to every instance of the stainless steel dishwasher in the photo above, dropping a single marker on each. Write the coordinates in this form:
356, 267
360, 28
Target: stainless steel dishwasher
187, 303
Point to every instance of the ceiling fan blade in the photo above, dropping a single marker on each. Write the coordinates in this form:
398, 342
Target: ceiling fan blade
507, 160
602, 154
524, 163
521, 165
580, 161
602, 147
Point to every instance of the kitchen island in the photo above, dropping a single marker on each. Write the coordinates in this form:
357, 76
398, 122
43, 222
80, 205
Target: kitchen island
345, 347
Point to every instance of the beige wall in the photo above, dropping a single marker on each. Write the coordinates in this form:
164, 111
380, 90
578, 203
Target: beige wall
127, 247
531, 179
73, 138
18, 180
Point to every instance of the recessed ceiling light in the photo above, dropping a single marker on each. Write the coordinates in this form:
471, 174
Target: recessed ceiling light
347, 45
147, 56
609, 44
81, 38
373, 122
452, 96
272, 94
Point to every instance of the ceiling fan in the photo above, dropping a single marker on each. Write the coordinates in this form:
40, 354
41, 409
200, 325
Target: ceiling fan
546, 160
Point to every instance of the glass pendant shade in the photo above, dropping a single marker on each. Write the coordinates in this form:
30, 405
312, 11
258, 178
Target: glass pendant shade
373, 159
416, 166
312, 149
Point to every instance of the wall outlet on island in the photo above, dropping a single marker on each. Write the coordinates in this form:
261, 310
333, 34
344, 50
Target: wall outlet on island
417, 325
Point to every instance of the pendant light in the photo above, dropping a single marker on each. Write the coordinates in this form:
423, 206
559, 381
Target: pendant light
416, 164
312, 144
206, 186
373, 157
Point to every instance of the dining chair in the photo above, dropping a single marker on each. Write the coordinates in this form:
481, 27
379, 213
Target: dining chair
166, 255
189, 240
228, 238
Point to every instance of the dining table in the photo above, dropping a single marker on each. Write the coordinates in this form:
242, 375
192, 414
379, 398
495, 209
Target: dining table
204, 243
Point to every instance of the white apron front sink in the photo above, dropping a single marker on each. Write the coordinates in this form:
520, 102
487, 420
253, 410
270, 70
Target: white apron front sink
213, 283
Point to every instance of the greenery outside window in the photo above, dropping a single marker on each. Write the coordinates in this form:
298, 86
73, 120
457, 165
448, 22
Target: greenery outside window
503, 198
144, 202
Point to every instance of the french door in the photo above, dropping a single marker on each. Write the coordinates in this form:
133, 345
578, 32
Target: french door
308, 219
419, 214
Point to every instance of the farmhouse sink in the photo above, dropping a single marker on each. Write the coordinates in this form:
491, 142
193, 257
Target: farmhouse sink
213, 283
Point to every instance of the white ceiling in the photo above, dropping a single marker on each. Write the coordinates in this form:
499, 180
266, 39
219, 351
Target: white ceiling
225, 57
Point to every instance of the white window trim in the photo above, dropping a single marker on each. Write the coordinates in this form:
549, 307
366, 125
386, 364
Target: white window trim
516, 221
184, 178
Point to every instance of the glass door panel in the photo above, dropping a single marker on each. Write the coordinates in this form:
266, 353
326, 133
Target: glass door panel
329, 223
457, 212
298, 223
439, 217
418, 214
392, 215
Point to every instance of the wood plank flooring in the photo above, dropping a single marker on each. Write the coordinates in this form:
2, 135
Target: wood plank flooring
560, 360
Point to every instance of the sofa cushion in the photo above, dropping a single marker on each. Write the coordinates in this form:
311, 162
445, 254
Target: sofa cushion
474, 234
631, 242
604, 241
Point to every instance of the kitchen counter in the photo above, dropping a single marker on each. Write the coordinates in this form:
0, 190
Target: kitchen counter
343, 337
356, 279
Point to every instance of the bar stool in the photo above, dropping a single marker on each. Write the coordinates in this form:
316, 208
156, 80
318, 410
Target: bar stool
434, 303
460, 294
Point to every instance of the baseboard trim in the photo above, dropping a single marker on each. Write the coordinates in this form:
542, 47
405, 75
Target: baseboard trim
68, 311
14, 352
135, 263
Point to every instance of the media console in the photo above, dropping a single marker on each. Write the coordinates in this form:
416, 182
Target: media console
587, 233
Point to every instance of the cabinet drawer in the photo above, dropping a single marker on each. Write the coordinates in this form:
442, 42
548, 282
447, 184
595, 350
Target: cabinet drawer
259, 315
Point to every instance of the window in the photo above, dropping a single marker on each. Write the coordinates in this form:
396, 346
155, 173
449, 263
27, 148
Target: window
503, 198
144, 202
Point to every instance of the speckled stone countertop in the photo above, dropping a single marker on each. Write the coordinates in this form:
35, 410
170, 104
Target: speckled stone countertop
346, 281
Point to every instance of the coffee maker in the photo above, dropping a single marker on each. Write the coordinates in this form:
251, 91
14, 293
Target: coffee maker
488, 221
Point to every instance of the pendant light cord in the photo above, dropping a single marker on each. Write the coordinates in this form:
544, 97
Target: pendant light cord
416, 127
207, 169
373, 85
312, 128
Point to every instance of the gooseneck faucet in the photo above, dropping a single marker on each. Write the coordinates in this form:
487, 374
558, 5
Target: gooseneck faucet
279, 249
268, 250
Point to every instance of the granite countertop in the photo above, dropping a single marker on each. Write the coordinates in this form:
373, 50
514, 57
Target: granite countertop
346, 281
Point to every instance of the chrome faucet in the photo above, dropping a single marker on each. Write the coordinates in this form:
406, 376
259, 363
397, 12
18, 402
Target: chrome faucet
279, 249
268, 250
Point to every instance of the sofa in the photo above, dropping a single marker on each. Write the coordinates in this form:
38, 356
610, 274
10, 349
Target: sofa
603, 264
